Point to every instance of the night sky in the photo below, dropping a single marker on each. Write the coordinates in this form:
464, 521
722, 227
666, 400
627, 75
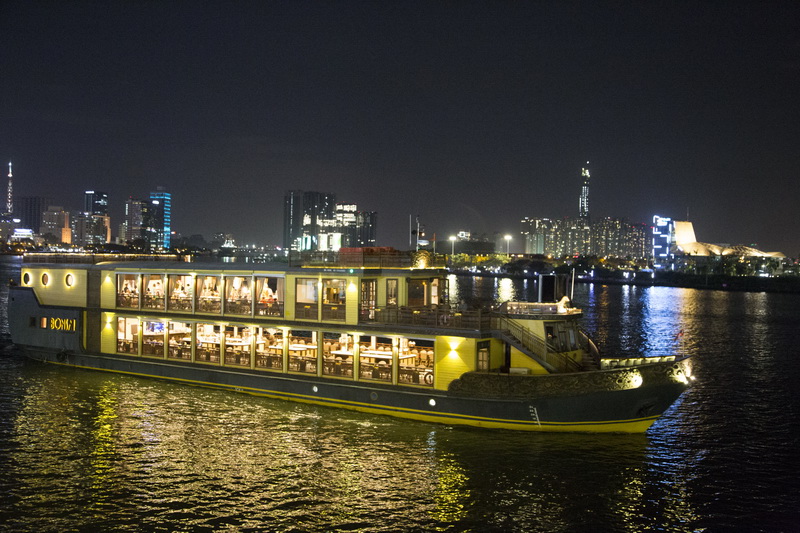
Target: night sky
471, 115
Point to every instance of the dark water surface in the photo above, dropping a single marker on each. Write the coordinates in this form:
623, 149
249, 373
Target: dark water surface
88, 451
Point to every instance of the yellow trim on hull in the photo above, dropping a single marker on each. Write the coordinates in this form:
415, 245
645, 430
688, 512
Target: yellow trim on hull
637, 425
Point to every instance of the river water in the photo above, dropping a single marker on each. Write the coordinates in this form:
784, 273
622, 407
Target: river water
88, 451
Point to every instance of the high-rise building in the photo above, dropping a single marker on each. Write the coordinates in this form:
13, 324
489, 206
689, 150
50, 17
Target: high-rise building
583, 201
10, 195
133, 227
314, 221
159, 219
663, 237
307, 215
55, 222
89, 229
29, 209
95, 203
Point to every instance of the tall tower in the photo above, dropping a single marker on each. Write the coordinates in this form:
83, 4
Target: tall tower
583, 207
10, 198
160, 218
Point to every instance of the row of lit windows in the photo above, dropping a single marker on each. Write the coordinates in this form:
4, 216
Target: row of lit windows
324, 353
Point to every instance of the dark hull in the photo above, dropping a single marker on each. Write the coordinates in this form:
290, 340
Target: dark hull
632, 410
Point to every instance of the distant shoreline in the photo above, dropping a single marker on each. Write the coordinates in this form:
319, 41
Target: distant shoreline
680, 280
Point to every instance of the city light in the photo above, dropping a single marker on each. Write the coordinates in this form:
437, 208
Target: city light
452, 245
508, 244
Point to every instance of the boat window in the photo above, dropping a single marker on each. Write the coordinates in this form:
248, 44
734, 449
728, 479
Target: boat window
369, 299
153, 338
306, 298
180, 340
375, 358
179, 288
208, 341
333, 299
269, 348
337, 354
269, 293
26, 278
238, 298
45, 279
153, 291
416, 361
127, 335
238, 345
303, 351
207, 291
391, 293
128, 291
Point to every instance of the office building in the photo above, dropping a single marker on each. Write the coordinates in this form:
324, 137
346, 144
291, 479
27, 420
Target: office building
158, 221
29, 209
55, 223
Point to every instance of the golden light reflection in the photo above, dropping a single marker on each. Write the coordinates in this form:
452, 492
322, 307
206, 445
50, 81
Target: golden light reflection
451, 497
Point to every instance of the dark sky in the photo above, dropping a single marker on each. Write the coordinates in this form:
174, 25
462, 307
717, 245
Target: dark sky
470, 114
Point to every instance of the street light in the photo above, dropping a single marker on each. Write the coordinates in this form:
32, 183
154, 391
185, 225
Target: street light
508, 243
452, 244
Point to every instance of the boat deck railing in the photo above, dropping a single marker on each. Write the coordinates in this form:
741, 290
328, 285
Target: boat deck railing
434, 317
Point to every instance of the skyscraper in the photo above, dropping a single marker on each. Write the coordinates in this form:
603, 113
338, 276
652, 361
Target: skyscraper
10, 197
95, 203
29, 210
159, 220
306, 215
133, 226
583, 202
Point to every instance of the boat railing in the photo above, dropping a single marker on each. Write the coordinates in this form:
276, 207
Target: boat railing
535, 309
588, 344
92, 258
536, 346
435, 317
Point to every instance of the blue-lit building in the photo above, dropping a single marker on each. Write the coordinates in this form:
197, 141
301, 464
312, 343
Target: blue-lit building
159, 219
663, 237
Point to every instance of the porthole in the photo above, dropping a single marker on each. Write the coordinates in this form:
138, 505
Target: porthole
26, 278
45, 279
315, 389
432, 402
69, 280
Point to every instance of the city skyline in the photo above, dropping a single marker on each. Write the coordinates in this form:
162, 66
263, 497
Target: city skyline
471, 116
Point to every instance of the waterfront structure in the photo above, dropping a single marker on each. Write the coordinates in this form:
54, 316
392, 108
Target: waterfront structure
685, 243
373, 332
158, 220
55, 222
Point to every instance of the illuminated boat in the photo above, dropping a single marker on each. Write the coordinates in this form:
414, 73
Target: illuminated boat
368, 334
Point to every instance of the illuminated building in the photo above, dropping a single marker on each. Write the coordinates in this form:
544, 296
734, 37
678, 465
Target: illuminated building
95, 203
583, 201
158, 221
314, 221
89, 229
615, 237
55, 222
9, 196
133, 226
663, 236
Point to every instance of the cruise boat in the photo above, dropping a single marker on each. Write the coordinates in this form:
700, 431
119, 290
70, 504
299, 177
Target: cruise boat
371, 333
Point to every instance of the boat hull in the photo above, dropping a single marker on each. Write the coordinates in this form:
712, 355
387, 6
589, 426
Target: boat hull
629, 411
